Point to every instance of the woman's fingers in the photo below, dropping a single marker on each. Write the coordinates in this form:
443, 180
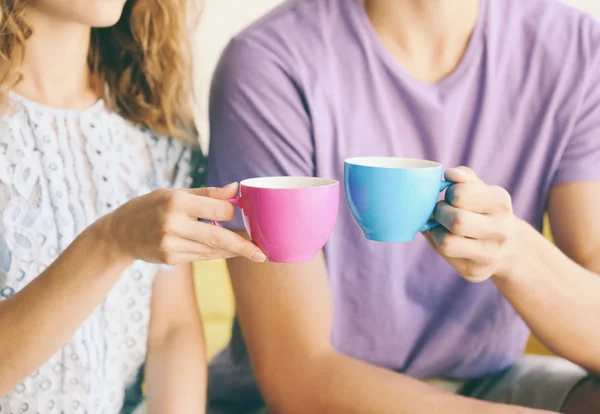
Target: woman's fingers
220, 193
189, 238
175, 259
218, 238
180, 245
210, 203
203, 207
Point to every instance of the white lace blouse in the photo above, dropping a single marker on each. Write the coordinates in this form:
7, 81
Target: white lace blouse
60, 170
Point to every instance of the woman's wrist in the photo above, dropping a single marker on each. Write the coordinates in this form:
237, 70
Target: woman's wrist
105, 238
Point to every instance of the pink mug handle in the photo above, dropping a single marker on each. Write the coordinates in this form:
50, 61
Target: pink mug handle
236, 202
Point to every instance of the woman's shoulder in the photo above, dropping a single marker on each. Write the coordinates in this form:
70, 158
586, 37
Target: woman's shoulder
175, 162
15, 143
12, 114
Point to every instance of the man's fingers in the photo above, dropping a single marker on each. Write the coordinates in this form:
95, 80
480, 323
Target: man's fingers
456, 247
462, 175
429, 238
466, 223
479, 198
474, 197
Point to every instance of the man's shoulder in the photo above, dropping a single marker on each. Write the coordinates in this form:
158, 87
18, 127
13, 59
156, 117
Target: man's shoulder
297, 29
550, 26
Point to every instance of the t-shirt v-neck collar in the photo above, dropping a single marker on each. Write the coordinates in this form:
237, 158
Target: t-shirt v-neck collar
473, 49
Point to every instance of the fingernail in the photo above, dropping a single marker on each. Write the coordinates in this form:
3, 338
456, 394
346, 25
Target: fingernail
258, 257
231, 185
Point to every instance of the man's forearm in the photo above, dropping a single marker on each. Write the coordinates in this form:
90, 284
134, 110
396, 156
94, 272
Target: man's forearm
336, 383
558, 299
176, 374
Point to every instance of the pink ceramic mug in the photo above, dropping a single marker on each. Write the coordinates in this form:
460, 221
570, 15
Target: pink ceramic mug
289, 218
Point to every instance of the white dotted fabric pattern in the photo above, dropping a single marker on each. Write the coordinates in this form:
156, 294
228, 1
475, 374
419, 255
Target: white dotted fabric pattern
60, 170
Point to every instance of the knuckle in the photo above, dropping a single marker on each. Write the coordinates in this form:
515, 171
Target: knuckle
459, 194
470, 271
168, 225
439, 208
457, 222
170, 259
207, 191
161, 192
203, 250
466, 170
487, 257
171, 199
176, 196
214, 239
476, 273
202, 192
244, 251
163, 257
446, 246
502, 236
223, 211
167, 197
505, 200
213, 192
164, 244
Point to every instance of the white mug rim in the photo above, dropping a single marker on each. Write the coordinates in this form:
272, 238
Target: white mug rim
288, 182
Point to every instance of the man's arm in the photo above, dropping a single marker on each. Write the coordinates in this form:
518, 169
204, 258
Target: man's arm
285, 315
176, 364
558, 294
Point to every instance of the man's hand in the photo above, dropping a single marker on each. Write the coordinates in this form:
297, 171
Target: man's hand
478, 229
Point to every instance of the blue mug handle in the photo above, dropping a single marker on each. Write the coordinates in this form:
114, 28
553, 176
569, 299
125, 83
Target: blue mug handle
432, 224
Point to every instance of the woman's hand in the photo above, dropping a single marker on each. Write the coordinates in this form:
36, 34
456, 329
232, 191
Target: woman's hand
163, 227
478, 229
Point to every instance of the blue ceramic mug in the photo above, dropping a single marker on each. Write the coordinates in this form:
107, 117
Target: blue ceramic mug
392, 199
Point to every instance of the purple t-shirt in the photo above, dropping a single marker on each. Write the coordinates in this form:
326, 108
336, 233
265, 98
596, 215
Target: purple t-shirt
311, 84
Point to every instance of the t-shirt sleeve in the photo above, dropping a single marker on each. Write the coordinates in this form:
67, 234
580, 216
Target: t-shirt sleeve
259, 121
581, 158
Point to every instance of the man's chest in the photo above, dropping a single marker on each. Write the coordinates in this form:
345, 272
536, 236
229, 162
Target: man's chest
509, 141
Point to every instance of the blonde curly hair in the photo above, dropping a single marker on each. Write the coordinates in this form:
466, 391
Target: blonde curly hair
143, 63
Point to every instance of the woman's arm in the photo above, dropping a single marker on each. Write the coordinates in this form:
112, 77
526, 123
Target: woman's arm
38, 320
176, 362
160, 227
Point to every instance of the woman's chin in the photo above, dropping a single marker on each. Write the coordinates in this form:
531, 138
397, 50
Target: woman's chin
94, 13
106, 14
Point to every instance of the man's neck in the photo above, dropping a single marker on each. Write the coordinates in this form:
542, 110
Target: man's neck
427, 37
55, 70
